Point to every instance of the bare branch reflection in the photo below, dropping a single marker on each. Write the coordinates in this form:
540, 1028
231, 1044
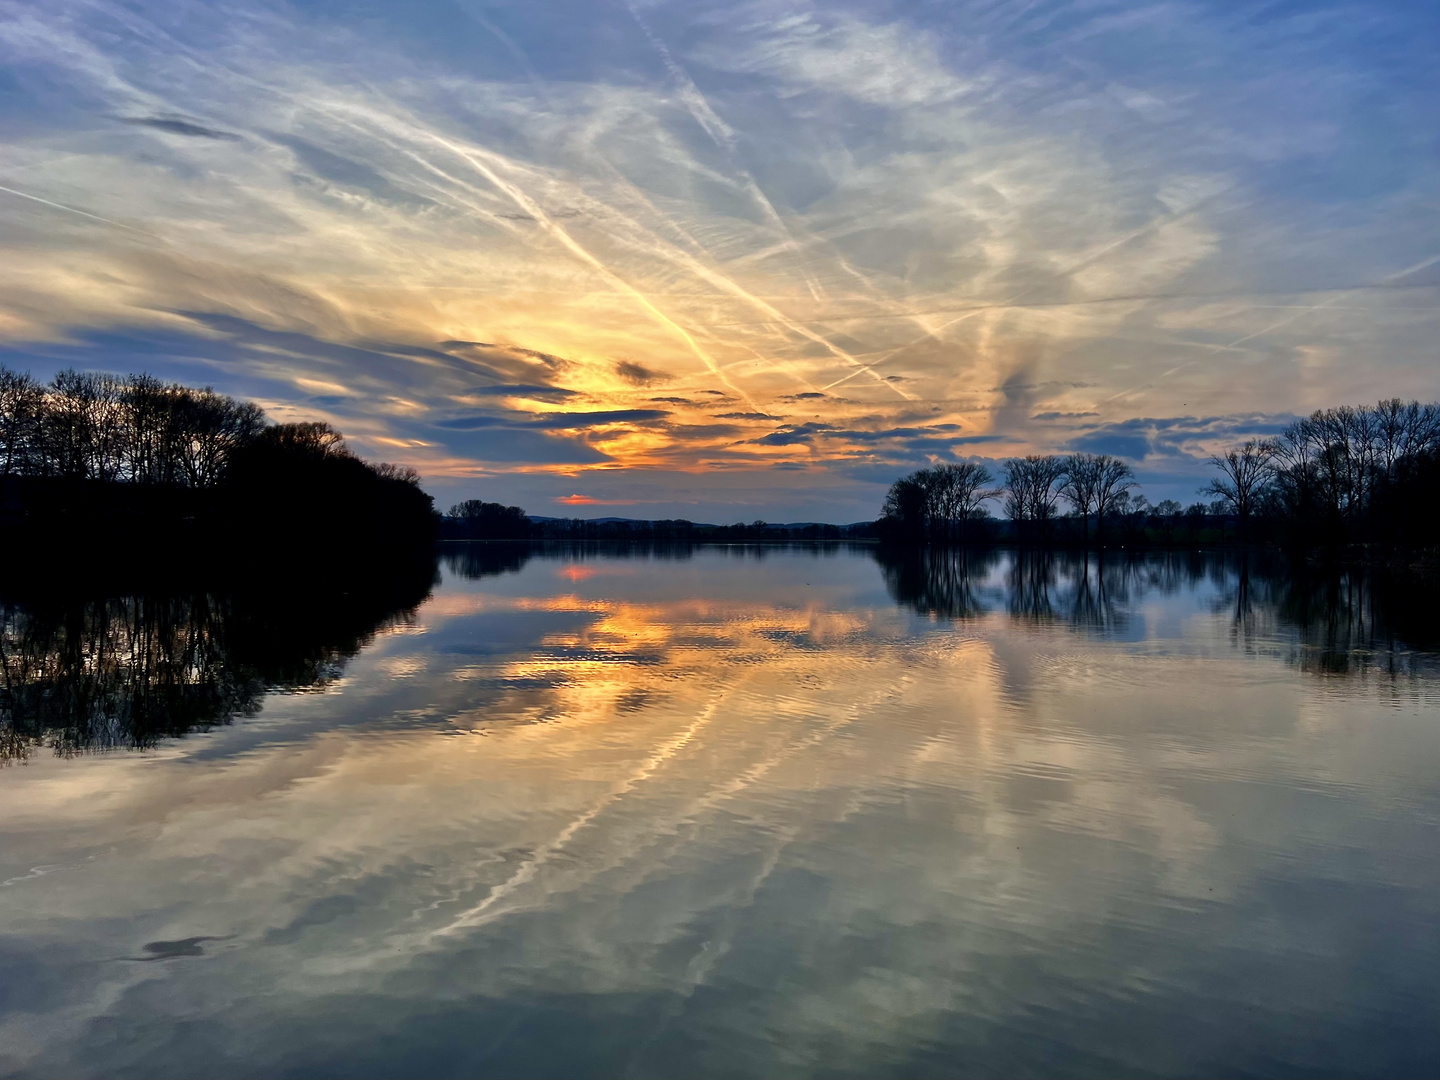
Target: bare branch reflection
87, 672
1336, 622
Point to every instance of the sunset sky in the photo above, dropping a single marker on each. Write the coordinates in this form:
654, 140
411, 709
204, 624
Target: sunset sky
730, 260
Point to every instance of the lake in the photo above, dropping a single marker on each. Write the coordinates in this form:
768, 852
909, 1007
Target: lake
726, 811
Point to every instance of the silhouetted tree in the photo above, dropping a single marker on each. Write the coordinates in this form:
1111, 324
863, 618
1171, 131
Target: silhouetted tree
312, 486
406, 474
1244, 478
21, 403
1115, 479
963, 488
1167, 513
937, 504
88, 426
1031, 492
137, 459
1135, 514
1080, 487
906, 511
1197, 514
1337, 473
474, 519
217, 428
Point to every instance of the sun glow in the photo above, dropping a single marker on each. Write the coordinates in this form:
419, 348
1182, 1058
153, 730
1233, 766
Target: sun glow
558, 277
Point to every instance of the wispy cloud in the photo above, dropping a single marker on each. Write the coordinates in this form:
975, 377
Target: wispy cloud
875, 237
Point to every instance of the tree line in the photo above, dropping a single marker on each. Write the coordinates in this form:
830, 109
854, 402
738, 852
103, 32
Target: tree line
1348, 475
92, 456
475, 519
946, 503
132, 429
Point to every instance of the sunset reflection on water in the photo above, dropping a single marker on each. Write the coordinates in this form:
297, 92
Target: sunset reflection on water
740, 812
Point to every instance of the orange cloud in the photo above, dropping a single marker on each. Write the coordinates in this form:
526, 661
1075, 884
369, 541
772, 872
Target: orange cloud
586, 500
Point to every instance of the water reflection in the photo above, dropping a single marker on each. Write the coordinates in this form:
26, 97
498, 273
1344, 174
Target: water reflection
1346, 623
737, 812
1082, 590
481, 559
1350, 621
933, 581
86, 673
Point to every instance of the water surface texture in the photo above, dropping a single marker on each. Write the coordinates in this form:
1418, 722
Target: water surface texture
727, 812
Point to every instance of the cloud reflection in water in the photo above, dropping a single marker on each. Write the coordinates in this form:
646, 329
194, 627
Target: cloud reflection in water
736, 811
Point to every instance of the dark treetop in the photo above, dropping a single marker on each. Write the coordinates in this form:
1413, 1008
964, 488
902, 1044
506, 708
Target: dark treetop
162, 471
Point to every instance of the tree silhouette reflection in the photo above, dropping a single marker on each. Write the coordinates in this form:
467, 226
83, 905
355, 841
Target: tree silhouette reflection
1336, 621
1351, 621
1031, 578
88, 672
482, 559
1031, 585
936, 581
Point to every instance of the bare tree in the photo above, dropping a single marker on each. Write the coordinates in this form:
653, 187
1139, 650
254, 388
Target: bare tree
1135, 514
313, 437
1244, 478
1081, 488
937, 503
1113, 482
1017, 491
21, 400
406, 474
960, 489
1095, 484
492, 521
1332, 467
217, 425
65, 426
150, 430
87, 426
1403, 431
1031, 491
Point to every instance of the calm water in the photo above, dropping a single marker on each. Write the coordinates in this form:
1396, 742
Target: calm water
726, 812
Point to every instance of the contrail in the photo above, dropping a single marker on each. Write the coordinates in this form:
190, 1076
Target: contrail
1081, 264
535, 211
558, 232
1122, 298
1397, 276
82, 213
659, 249
724, 137
516, 53
735, 289
713, 125
572, 245
476, 916
695, 247
1338, 296
721, 133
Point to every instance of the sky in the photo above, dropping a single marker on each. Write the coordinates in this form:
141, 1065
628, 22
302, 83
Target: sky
728, 261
